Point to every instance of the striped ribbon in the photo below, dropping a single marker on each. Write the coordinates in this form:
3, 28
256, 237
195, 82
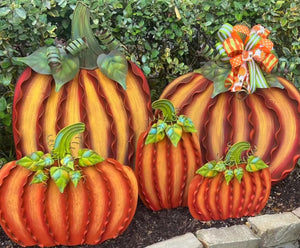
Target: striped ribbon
249, 52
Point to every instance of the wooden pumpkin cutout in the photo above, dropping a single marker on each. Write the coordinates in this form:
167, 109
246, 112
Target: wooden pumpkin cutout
268, 118
230, 189
167, 157
56, 199
109, 94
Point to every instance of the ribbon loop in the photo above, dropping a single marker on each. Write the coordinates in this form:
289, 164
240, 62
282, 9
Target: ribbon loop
249, 53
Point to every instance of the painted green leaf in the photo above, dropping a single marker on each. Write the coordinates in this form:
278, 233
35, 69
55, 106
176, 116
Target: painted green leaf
217, 74
151, 137
186, 123
39, 177
32, 161
46, 160
114, 65
220, 166
161, 127
88, 158
239, 173
174, 133
60, 176
229, 174
38, 61
75, 177
68, 161
255, 164
208, 170
273, 81
69, 69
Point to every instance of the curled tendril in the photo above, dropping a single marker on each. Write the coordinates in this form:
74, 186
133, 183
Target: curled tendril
54, 58
107, 39
76, 46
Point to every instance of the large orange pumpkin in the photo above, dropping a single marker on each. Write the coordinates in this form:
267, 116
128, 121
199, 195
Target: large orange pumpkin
98, 207
166, 159
215, 198
92, 97
268, 118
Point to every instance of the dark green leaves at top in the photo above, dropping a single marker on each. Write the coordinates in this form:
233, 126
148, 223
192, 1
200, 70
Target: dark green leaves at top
39, 177
114, 65
217, 74
88, 158
229, 174
157, 132
255, 164
60, 176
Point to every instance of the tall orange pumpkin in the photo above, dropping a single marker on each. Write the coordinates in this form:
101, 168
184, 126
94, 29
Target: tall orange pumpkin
166, 159
114, 96
56, 199
269, 118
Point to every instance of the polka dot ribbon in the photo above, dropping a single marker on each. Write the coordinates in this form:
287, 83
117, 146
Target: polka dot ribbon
249, 53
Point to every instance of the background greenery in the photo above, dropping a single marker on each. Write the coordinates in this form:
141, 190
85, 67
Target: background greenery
166, 38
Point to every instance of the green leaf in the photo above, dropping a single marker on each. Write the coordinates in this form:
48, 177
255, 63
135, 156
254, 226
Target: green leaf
4, 11
60, 176
208, 170
220, 166
68, 161
88, 158
32, 161
37, 61
3, 104
273, 81
46, 160
239, 173
75, 177
255, 164
174, 133
186, 123
21, 13
151, 137
217, 74
114, 65
39, 177
69, 69
229, 174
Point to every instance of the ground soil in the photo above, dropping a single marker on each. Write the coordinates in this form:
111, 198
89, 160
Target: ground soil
148, 227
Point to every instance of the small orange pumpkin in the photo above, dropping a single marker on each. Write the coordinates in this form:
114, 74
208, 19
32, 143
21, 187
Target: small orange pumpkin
230, 189
167, 157
40, 206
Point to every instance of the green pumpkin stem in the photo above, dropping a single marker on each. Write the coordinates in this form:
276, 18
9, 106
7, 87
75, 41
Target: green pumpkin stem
81, 28
167, 109
63, 139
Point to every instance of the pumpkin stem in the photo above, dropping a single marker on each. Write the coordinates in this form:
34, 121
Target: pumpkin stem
167, 109
63, 139
234, 154
81, 28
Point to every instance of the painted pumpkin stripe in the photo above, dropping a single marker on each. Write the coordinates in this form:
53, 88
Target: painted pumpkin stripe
78, 212
239, 121
288, 132
99, 189
218, 199
12, 219
211, 194
35, 214
264, 125
237, 197
200, 204
29, 110
247, 193
97, 118
52, 108
120, 196
217, 129
194, 188
115, 107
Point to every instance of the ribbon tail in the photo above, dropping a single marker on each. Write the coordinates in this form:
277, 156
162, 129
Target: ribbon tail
252, 76
224, 32
261, 82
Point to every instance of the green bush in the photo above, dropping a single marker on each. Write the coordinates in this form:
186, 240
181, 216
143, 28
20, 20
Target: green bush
166, 38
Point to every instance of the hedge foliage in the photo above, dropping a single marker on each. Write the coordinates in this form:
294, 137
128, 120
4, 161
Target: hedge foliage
166, 38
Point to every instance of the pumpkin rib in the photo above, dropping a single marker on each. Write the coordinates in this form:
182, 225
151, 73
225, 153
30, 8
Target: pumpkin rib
230, 200
218, 198
194, 187
265, 192
169, 174
184, 173
206, 198
23, 237
289, 124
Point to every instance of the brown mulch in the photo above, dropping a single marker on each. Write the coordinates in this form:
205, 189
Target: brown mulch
148, 227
